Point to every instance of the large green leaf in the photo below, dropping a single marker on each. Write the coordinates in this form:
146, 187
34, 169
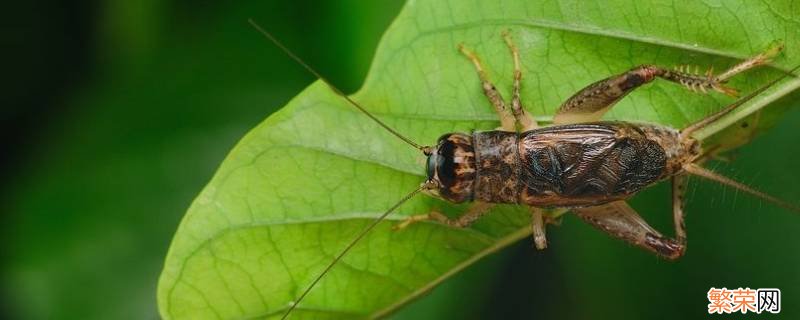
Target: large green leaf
299, 186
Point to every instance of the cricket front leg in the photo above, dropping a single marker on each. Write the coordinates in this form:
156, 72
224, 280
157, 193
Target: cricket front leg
524, 118
507, 121
473, 213
592, 102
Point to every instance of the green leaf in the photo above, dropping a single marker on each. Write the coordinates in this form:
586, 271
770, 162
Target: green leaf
299, 186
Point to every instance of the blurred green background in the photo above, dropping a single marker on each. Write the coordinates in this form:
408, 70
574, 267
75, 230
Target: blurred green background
120, 111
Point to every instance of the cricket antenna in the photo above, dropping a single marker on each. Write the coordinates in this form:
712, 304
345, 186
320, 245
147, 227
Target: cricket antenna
710, 175
687, 132
334, 88
367, 229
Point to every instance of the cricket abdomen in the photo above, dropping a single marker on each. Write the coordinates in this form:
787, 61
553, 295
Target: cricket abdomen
573, 165
588, 164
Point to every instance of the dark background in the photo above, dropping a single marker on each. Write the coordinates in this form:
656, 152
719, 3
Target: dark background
116, 114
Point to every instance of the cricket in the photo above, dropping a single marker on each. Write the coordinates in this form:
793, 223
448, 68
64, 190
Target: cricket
579, 163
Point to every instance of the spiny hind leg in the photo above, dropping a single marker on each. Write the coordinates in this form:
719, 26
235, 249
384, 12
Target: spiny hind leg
507, 122
592, 102
525, 119
620, 221
473, 213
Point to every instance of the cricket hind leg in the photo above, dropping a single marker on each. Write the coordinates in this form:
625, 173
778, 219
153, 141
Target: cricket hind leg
620, 221
473, 213
592, 102
507, 121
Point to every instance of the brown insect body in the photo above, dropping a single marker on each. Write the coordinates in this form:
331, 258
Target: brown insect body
559, 166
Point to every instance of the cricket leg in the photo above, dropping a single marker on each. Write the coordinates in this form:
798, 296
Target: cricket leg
525, 119
620, 221
507, 122
592, 102
473, 213
679, 185
538, 228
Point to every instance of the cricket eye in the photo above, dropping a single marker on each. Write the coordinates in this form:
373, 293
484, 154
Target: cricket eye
434, 160
445, 168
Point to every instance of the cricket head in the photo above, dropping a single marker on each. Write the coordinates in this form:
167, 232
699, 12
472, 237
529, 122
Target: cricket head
451, 168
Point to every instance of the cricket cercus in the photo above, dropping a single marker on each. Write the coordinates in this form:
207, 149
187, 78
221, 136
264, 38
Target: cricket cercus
579, 163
